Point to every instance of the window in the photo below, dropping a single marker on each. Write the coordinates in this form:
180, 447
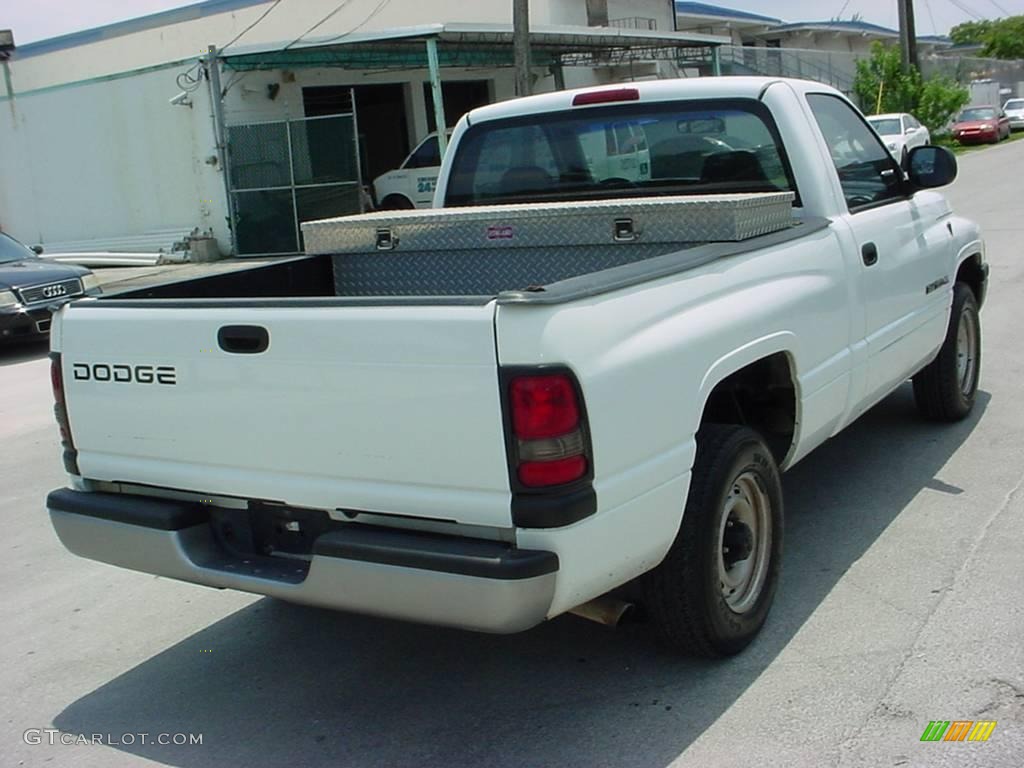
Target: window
685, 147
867, 172
12, 250
977, 113
425, 156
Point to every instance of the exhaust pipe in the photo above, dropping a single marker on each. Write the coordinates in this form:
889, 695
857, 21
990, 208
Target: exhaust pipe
605, 610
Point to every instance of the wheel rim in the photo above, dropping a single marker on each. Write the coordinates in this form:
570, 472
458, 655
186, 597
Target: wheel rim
966, 352
744, 543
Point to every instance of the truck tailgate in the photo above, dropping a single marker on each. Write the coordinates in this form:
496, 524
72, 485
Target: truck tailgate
388, 409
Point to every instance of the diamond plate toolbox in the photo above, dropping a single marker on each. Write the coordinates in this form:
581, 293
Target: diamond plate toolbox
696, 218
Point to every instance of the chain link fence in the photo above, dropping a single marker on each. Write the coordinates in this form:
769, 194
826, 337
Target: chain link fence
287, 172
839, 69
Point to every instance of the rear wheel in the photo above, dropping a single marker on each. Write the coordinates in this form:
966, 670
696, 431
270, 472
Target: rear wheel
945, 389
711, 594
396, 203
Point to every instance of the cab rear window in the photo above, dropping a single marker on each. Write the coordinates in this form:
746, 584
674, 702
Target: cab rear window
673, 148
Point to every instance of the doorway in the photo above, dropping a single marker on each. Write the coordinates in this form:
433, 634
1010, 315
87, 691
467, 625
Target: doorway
460, 96
381, 115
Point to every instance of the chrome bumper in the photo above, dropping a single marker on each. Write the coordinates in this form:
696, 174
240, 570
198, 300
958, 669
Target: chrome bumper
445, 580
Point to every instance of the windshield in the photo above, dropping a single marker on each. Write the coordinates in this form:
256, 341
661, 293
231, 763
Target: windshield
979, 113
888, 127
12, 250
1014, 104
696, 147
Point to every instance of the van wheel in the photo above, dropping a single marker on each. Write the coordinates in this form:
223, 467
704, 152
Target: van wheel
396, 203
944, 390
711, 594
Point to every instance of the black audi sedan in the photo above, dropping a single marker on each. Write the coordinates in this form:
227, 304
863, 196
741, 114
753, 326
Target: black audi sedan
30, 287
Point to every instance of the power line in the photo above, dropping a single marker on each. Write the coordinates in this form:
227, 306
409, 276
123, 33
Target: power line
1001, 9
928, 7
380, 7
322, 21
967, 10
839, 16
261, 18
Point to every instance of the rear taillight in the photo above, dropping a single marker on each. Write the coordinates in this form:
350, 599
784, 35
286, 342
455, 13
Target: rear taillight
548, 430
60, 411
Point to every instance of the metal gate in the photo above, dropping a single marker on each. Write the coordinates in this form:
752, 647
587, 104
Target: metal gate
283, 173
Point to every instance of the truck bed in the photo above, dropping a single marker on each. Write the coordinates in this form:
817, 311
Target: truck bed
557, 275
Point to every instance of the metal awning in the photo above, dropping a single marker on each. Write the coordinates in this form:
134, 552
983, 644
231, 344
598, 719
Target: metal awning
435, 46
476, 45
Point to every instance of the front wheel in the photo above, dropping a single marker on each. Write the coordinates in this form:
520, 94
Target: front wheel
711, 594
945, 389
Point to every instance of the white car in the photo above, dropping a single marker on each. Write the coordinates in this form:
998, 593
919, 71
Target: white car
1014, 109
412, 184
901, 133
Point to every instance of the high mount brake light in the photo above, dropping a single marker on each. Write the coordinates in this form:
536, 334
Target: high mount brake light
606, 96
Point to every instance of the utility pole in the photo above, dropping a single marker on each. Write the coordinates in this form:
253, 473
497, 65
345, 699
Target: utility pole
521, 45
908, 35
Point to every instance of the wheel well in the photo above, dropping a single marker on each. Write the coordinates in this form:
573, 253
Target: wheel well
970, 274
761, 396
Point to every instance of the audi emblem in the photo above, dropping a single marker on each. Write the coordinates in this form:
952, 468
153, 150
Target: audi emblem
53, 291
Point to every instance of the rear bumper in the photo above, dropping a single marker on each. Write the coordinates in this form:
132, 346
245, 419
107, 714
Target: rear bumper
445, 580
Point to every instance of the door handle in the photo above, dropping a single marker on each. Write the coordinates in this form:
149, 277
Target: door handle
243, 339
869, 253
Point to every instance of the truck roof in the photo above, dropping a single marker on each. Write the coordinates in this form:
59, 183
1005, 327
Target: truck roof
651, 90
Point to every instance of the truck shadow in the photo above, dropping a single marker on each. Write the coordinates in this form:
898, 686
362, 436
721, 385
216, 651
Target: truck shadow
296, 686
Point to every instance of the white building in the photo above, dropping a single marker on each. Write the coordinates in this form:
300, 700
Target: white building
109, 138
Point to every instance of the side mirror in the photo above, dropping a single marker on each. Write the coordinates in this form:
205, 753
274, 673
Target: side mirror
931, 167
910, 131
37, 250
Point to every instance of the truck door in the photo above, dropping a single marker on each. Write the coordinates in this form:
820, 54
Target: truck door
905, 248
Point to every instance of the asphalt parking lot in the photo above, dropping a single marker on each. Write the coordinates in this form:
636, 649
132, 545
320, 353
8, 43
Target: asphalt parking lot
901, 602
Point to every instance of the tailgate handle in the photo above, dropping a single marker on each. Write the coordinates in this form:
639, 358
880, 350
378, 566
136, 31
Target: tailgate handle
243, 339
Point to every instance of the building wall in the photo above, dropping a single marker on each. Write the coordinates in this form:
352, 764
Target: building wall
189, 39
108, 159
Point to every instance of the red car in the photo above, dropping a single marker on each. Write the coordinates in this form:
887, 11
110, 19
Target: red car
976, 124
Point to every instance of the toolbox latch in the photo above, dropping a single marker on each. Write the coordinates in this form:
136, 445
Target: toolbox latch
624, 231
385, 240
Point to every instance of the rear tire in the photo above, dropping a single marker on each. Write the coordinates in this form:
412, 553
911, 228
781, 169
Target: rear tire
396, 203
711, 594
945, 389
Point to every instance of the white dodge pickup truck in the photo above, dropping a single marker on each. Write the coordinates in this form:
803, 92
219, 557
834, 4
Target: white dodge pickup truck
557, 391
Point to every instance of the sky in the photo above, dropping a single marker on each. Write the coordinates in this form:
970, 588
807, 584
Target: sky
39, 19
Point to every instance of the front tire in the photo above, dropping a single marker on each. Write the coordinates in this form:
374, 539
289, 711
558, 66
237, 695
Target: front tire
711, 594
945, 389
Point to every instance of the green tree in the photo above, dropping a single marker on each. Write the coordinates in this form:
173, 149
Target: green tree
940, 98
970, 32
1000, 38
881, 85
